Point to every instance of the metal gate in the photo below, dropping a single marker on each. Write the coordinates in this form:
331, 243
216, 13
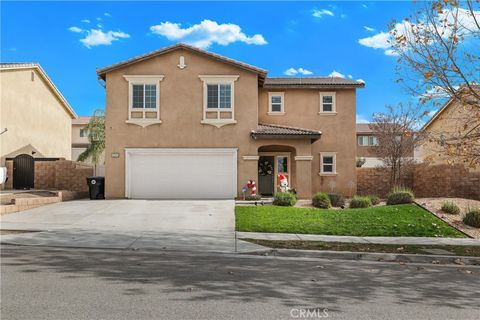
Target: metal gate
23, 172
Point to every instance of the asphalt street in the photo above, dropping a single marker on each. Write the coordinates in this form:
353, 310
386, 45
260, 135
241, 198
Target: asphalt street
49, 283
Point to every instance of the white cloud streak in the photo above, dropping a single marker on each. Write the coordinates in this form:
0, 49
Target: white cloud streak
299, 71
97, 37
369, 29
318, 13
206, 33
336, 74
75, 29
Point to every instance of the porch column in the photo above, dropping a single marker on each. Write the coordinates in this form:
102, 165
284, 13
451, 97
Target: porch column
248, 171
303, 172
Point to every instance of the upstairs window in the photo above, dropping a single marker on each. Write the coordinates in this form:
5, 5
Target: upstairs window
327, 103
144, 99
276, 103
218, 100
367, 141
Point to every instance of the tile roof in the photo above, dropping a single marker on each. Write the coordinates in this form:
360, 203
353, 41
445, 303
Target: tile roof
364, 128
101, 72
81, 120
5, 65
312, 82
272, 130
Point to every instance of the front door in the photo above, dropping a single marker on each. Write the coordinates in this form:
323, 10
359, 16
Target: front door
266, 175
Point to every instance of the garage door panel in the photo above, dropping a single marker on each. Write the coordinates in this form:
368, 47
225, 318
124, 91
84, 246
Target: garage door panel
182, 174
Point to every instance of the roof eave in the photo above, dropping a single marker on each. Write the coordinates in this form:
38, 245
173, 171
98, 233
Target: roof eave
314, 86
312, 137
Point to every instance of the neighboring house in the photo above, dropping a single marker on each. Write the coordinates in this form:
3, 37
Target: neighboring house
367, 143
447, 121
186, 123
36, 116
80, 142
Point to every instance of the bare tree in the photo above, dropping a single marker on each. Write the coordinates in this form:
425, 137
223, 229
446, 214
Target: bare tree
439, 59
396, 134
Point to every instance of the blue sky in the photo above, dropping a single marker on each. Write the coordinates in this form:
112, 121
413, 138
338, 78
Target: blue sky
71, 39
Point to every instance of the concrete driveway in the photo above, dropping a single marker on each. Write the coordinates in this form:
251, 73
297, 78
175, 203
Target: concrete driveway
193, 225
128, 215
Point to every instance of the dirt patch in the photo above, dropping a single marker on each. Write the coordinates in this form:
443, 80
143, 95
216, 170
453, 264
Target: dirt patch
434, 205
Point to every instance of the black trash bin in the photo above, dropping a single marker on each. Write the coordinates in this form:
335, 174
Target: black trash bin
96, 186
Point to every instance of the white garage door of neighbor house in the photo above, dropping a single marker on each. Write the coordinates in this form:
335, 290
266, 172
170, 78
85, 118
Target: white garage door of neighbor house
181, 173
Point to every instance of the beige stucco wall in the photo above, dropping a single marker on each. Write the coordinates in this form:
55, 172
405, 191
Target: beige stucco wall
36, 120
302, 108
181, 110
76, 139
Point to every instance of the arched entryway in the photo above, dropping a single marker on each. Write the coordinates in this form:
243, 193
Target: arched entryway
273, 161
23, 172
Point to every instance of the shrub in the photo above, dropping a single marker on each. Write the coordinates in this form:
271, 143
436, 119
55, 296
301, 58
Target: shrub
450, 207
400, 195
336, 199
360, 162
253, 197
360, 202
374, 199
285, 199
472, 218
321, 200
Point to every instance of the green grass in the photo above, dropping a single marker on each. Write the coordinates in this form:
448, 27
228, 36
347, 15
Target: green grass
471, 251
407, 220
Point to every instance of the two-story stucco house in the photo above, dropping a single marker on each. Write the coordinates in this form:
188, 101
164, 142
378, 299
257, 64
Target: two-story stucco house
186, 123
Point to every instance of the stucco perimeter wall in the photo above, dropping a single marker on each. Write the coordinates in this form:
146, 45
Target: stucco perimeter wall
35, 118
302, 108
58, 175
181, 113
426, 181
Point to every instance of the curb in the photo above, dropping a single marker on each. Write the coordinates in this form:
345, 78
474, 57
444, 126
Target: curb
369, 256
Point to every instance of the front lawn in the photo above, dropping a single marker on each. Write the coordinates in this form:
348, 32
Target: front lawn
408, 220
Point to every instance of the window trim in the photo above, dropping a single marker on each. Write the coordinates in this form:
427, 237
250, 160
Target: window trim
328, 154
282, 104
218, 80
334, 103
143, 80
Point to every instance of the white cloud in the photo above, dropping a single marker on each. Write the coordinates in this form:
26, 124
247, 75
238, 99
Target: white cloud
98, 19
444, 24
360, 80
318, 13
97, 37
106, 14
99, 25
362, 119
437, 92
369, 29
364, 5
336, 74
85, 21
350, 76
206, 33
300, 71
75, 29
343, 16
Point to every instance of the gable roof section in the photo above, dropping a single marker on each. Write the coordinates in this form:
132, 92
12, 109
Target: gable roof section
36, 66
312, 82
101, 72
364, 128
81, 120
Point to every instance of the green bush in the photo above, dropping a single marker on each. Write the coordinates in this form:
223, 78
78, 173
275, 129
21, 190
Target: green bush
321, 200
360, 162
336, 199
360, 202
400, 195
450, 207
472, 218
374, 199
285, 199
253, 197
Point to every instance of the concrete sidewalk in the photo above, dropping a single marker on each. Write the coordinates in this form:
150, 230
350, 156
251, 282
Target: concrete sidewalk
351, 239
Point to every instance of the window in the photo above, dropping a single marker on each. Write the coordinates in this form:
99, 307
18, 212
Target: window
276, 103
144, 99
328, 163
367, 141
83, 133
218, 102
327, 102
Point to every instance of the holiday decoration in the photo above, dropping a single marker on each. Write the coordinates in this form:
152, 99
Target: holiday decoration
283, 183
265, 168
251, 184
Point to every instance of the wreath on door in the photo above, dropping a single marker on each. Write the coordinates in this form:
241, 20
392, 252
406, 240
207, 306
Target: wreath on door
265, 168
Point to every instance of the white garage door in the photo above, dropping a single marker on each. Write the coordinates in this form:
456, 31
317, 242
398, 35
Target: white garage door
181, 173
